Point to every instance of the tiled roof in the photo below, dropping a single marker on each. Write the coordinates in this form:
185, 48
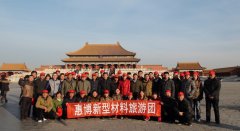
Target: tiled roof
79, 59
13, 67
101, 49
227, 69
189, 66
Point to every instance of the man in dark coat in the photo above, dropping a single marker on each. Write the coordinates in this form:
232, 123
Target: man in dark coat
82, 97
177, 83
156, 83
94, 82
211, 89
40, 84
169, 105
167, 84
104, 84
114, 85
69, 99
183, 110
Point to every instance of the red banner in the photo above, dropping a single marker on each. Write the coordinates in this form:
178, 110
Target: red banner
114, 108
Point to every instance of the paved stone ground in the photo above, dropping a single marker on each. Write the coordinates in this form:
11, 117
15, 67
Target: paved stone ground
229, 110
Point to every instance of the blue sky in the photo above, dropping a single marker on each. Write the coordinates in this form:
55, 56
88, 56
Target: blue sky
160, 32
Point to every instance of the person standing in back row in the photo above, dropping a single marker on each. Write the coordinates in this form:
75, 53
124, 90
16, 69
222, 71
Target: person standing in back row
212, 88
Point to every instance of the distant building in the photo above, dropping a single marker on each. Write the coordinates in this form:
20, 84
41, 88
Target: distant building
17, 67
189, 66
44, 67
153, 67
228, 71
101, 55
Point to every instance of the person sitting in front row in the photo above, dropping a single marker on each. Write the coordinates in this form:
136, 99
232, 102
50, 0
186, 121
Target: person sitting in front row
106, 96
83, 97
117, 96
57, 105
69, 99
94, 97
44, 107
183, 110
169, 105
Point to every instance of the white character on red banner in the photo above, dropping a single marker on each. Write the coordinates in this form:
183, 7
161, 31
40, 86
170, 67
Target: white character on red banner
133, 107
151, 108
142, 107
114, 107
78, 110
105, 108
97, 108
123, 107
87, 109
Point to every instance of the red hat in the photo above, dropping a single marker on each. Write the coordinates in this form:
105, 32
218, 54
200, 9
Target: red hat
182, 74
195, 73
187, 73
82, 92
212, 72
87, 73
119, 72
116, 76
106, 91
156, 73
73, 73
130, 94
168, 91
42, 74
68, 73
180, 94
124, 74
84, 75
44, 91
176, 73
102, 71
94, 74
71, 91
162, 74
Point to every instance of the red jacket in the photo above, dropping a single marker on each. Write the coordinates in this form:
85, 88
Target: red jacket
124, 87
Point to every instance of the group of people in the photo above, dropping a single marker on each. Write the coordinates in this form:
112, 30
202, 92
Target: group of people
180, 96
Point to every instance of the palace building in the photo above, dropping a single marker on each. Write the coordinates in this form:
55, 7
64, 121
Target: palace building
14, 67
189, 66
101, 56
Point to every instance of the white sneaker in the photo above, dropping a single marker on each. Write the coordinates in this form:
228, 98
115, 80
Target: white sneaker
40, 121
44, 119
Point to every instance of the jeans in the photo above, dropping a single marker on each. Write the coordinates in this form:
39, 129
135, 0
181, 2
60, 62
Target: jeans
196, 110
